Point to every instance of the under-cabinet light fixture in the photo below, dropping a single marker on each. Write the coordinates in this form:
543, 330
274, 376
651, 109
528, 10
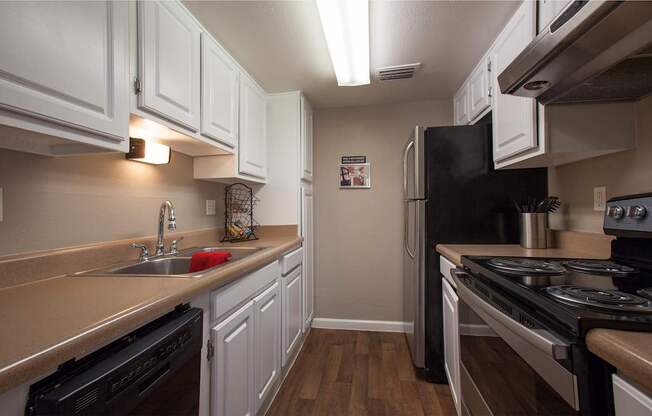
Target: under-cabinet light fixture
346, 27
147, 151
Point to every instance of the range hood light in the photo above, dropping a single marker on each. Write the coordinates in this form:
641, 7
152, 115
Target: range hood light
346, 27
148, 151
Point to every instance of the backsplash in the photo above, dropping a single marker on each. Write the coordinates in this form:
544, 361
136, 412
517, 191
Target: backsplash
623, 173
62, 202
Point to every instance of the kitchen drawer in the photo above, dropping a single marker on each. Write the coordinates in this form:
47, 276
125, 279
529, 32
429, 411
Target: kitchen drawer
225, 299
445, 267
291, 260
629, 400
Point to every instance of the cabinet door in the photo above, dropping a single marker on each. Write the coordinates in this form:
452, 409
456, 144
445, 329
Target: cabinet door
461, 106
67, 63
306, 139
479, 96
451, 341
548, 10
514, 118
233, 364
292, 322
267, 341
253, 119
307, 206
169, 62
219, 93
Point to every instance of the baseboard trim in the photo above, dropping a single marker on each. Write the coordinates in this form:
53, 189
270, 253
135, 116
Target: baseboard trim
359, 325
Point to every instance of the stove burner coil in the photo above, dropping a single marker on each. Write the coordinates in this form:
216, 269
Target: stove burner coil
600, 298
525, 266
598, 267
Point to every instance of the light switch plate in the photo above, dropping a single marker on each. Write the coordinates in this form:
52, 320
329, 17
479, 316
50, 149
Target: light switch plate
210, 207
599, 198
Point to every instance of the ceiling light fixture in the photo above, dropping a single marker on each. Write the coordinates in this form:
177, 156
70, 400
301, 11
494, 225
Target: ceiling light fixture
346, 27
147, 151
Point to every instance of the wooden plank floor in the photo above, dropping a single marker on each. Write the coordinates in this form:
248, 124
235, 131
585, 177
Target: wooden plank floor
340, 373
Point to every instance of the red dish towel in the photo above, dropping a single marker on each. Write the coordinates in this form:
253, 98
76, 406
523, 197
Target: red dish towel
205, 260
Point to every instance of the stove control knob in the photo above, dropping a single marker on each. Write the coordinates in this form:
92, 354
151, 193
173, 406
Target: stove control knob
636, 212
615, 212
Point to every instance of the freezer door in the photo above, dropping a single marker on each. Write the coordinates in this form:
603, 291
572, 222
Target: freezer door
414, 166
414, 279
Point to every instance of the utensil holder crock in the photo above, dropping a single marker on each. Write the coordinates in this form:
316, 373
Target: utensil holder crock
533, 227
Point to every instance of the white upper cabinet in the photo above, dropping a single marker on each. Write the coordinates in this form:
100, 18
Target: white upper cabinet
253, 126
64, 72
169, 62
461, 106
219, 93
547, 10
479, 89
306, 139
514, 118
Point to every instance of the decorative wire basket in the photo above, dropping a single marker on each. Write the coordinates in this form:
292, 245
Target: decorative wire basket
239, 223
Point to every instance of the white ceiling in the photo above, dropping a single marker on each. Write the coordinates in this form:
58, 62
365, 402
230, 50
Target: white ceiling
281, 44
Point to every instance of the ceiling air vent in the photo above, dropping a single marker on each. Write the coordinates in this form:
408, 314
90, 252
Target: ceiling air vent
397, 72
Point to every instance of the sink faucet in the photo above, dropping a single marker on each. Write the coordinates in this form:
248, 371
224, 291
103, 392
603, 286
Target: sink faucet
172, 224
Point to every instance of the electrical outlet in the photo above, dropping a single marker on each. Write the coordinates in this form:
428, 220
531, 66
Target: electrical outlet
599, 198
210, 207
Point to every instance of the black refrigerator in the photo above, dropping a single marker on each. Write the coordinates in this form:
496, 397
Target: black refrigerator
452, 194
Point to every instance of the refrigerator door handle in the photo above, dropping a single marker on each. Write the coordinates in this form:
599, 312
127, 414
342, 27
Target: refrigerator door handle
406, 234
405, 169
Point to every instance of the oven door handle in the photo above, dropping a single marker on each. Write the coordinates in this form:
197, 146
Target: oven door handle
541, 339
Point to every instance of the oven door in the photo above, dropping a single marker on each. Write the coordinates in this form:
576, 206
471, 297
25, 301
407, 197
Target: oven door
506, 367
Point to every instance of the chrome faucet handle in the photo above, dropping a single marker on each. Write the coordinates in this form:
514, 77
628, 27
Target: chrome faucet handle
144, 254
173, 246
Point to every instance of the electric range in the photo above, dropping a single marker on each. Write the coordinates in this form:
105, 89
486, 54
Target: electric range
523, 321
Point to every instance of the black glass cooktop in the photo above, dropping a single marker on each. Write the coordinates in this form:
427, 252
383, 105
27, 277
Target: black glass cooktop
578, 294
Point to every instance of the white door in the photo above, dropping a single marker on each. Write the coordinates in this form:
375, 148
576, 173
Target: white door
252, 136
461, 106
514, 118
479, 96
67, 62
451, 341
292, 317
306, 139
169, 62
267, 341
307, 225
219, 93
232, 383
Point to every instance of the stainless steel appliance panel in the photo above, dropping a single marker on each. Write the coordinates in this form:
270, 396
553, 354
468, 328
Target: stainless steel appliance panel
414, 279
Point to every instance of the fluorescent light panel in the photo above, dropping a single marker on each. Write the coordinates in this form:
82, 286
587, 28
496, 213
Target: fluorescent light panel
148, 151
346, 28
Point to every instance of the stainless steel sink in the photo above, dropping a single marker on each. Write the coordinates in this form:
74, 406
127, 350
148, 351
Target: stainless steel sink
173, 265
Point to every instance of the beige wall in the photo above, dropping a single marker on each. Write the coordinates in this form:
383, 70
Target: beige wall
622, 173
358, 233
61, 202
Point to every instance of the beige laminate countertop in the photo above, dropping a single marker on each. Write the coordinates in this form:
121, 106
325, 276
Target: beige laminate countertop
48, 322
629, 351
454, 252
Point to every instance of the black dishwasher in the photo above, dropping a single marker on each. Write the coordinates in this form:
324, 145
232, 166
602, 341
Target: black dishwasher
154, 370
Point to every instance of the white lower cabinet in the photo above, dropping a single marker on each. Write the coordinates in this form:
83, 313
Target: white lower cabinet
629, 400
233, 364
292, 312
451, 341
267, 340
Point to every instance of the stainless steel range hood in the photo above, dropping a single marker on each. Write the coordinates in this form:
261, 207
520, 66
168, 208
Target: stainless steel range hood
592, 51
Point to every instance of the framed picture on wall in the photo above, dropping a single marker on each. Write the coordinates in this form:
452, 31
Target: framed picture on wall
355, 176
